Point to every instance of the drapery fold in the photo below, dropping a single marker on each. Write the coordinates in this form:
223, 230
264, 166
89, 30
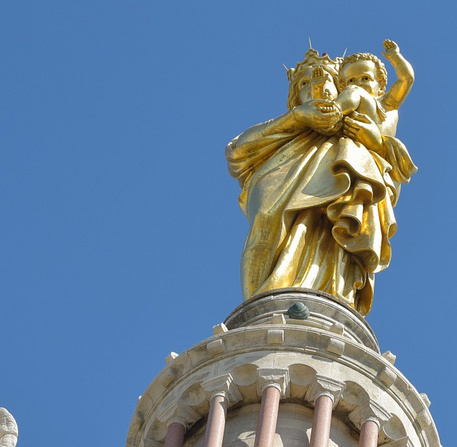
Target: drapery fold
320, 211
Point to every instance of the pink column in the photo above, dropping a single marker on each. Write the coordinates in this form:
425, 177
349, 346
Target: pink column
369, 434
215, 426
322, 421
175, 435
268, 417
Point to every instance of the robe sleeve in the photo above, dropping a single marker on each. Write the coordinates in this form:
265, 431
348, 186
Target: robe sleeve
396, 154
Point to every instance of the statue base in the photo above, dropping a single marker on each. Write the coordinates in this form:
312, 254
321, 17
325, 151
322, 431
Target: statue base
326, 312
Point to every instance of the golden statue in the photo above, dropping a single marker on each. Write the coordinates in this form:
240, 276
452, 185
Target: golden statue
320, 182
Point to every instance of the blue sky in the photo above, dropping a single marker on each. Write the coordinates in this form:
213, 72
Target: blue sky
121, 234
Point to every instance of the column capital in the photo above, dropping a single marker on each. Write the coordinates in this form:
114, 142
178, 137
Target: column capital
369, 411
178, 412
223, 386
275, 377
324, 386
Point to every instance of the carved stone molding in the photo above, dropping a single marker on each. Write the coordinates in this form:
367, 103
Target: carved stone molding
278, 319
167, 377
404, 442
219, 329
223, 386
324, 386
177, 412
424, 419
425, 399
216, 347
370, 411
387, 376
277, 377
389, 357
275, 336
152, 443
170, 357
8, 429
335, 346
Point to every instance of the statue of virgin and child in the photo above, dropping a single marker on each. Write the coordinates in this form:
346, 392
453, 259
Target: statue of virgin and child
320, 182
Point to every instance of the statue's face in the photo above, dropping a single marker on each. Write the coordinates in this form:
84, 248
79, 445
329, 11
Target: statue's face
310, 84
363, 74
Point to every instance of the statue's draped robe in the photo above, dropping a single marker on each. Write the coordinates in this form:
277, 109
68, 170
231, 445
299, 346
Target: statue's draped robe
320, 211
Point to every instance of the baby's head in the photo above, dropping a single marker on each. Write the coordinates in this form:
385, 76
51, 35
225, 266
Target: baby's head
364, 70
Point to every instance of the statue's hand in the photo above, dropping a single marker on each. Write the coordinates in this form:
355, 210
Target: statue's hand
319, 114
361, 128
391, 48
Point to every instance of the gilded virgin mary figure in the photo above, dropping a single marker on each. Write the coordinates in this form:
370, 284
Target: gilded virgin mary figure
318, 187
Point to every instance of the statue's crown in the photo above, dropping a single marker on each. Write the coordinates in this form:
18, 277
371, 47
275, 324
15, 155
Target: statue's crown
312, 59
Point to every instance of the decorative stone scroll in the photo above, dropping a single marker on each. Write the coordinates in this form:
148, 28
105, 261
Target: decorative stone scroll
223, 386
275, 377
370, 411
8, 429
324, 386
178, 412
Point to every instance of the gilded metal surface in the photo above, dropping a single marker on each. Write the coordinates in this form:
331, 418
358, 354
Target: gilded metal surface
319, 183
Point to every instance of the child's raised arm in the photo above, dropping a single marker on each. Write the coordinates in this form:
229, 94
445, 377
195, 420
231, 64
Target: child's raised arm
400, 89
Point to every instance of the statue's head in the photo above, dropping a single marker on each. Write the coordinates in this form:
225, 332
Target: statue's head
301, 77
364, 70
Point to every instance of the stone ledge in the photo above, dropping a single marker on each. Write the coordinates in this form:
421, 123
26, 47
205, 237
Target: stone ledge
326, 312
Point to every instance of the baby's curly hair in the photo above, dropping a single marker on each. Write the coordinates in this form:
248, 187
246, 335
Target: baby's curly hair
381, 72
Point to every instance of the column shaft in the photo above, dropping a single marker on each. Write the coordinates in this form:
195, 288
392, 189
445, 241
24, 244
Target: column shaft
369, 434
322, 421
175, 435
268, 417
215, 426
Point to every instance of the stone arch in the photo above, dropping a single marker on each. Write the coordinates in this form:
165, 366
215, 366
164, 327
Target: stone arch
353, 395
301, 377
392, 430
246, 377
193, 396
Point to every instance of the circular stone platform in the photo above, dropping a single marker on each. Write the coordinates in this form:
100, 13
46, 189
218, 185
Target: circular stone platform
325, 312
